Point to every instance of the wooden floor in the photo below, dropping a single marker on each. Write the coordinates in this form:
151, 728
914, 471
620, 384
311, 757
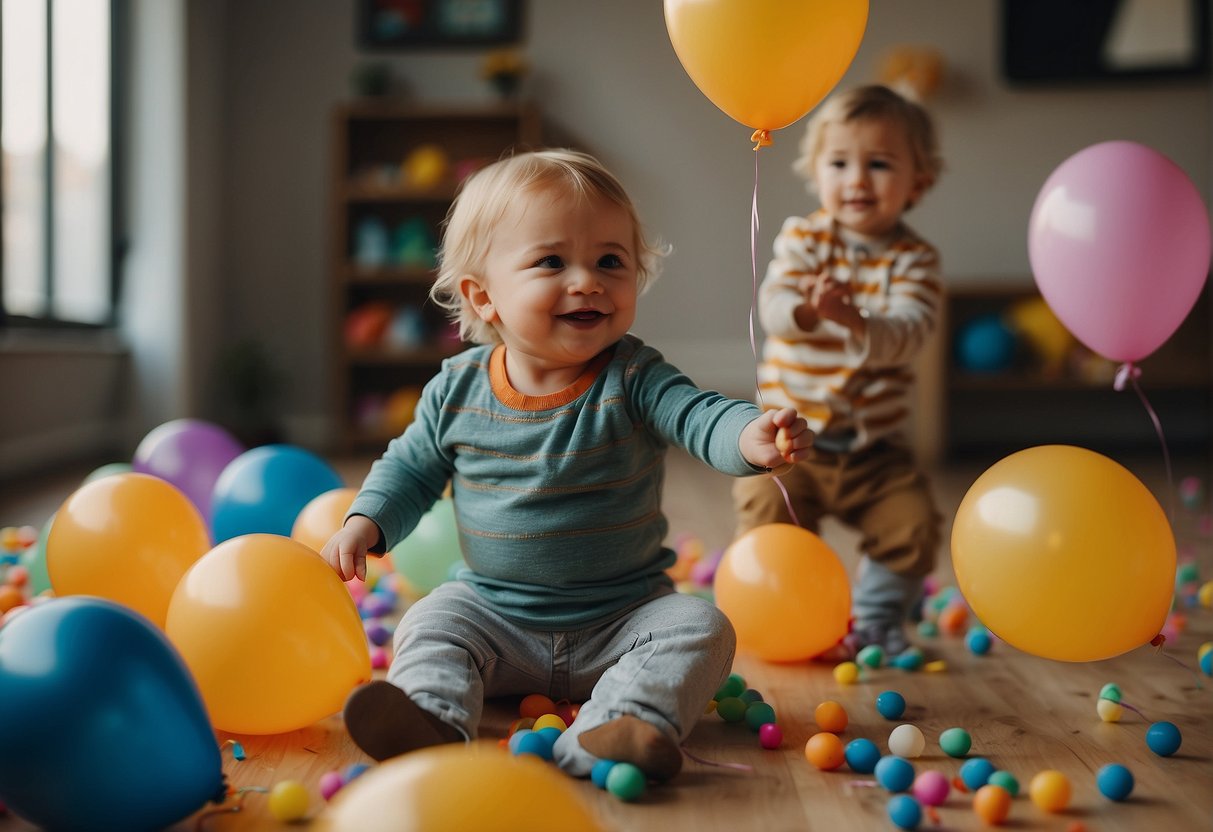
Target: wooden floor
1025, 714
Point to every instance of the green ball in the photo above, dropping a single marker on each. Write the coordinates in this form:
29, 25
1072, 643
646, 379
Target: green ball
625, 781
872, 656
1187, 574
955, 742
731, 709
1110, 691
1007, 780
733, 686
759, 714
928, 629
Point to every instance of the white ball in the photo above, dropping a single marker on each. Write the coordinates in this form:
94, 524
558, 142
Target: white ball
907, 741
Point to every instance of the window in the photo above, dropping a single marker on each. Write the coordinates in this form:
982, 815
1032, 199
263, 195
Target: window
59, 185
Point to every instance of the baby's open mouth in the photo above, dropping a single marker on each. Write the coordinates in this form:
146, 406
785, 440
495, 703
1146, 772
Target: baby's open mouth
583, 315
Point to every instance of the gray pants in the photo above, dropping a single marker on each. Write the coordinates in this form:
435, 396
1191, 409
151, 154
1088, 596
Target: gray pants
661, 660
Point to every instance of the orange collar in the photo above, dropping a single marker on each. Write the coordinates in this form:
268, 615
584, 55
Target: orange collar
507, 395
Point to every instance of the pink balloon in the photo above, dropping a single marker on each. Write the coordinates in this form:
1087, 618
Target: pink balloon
1119, 243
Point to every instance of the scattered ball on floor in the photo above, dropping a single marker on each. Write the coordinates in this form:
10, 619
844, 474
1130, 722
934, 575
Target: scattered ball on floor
598, 774
978, 641
625, 781
992, 804
1005, 779
976, 772
955, 742
931, 788
891, 704
288, 801
871, 656
1115, 782
1109, 711
1163, 738
846, 673
907, 741
831, 716
825, 751
862, 755
1050, 790
758, 714
770, 736
894, 773
904, 811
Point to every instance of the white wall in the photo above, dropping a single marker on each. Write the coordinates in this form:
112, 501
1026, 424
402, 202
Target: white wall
607, 78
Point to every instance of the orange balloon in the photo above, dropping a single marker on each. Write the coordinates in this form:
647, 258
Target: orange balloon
785, 591
766, 63
128, 538
1064, 554
270, 633
322, 518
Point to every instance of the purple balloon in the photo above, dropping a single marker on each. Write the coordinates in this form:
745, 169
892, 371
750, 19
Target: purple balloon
190, 454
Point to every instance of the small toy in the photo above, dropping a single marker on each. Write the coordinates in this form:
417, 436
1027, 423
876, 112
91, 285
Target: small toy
758, 714
894, 773
1005, 779
931, 788
824, 750
625, 781
907, 741
831, 716
862, 755
976, 772
770, 736
1163, 738
992, 804
1115, 782
288, 801
955, 742
904, 811
891, 704
978, 641
1050, 791
846, 673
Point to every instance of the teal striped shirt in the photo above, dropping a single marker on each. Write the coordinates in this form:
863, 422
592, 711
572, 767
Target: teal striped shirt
558, 498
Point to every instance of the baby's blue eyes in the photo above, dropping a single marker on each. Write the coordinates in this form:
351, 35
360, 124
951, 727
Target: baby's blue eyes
553, 261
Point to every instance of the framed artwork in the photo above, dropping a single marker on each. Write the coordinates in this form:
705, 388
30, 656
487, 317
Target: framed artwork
1046, 41
409, 24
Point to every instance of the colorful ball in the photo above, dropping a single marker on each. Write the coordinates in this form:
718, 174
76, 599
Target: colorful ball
1111, 692
846, 673
731, 709
824, 751
750, 696
598, 774
758, 714
1050, 791
532, 742
625, 781
831, 716
931, 788
1005, 779
992, 804
549, 721
330, 783
1206, 664
288, 801
891, 704
1109, 711
894, 773
770, 736
1163, 738
1115, 782
955, 742
862, 755
536, 705
1205, 594
733, 686
976, 772
904, 811
978, 641
871, 656
907, 741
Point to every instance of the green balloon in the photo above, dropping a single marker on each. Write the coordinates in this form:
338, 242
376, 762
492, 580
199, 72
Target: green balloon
34, 560
430, 554
108, 470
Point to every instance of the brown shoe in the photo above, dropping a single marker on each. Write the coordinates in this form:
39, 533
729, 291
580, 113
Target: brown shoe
630, 739
384, 722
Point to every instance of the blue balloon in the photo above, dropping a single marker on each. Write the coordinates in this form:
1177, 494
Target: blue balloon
102, 726
264, 489
985, 345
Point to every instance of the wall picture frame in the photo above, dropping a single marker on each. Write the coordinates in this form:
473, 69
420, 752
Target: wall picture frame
429, 24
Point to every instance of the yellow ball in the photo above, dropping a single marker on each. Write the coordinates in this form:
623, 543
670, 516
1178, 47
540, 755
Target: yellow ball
1050, 791
1205, 594
846, 673
1204, 648
550, 721
1109, 711
289, 801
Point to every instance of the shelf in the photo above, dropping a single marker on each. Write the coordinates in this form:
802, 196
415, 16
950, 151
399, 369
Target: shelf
384, 356
356, 192
356, 275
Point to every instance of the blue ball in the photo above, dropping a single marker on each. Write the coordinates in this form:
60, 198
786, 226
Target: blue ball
1163, 738
598, 774
904, 811
978, 641
1206, 663
894, 773
862, 755
891, 704
976, 772
534, 742
1115, 781
985, 345
516, 738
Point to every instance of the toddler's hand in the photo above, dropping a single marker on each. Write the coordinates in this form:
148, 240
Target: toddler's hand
346, 551
775, 438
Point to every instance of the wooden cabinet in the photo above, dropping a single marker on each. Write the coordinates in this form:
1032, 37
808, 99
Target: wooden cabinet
394, 174
1010, 380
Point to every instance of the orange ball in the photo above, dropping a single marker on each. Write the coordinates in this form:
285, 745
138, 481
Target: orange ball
831, 716
992, 804
10, 596
1050, 791
952, 620
536, 705
825, 751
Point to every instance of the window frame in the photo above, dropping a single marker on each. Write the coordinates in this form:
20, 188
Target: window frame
119, 49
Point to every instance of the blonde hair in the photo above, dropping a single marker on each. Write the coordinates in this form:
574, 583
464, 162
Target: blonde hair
882, 104
481, 203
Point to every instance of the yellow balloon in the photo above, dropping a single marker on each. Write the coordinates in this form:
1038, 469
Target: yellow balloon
452, 788
1064, 554
766, 63
785, 591
270, 633
322, 517
128, 538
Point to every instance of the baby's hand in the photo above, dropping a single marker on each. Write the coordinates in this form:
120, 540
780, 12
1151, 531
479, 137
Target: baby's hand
346, 551
775, 438
832, 301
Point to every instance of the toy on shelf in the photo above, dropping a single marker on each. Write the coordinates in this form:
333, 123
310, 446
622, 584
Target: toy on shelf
366, 324
408, 329
425, 167
370, 242
413, 245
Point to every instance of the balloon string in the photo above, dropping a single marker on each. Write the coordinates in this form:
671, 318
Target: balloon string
237, 749
738, 766
1157, 643
235, 808
1129, 373
763, 141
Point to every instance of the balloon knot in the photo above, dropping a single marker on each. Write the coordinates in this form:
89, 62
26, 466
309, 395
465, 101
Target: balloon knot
1158, 641
1127, 372
761, 138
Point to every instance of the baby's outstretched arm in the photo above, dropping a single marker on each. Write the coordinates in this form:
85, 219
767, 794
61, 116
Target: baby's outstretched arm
775, 438
346, 550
